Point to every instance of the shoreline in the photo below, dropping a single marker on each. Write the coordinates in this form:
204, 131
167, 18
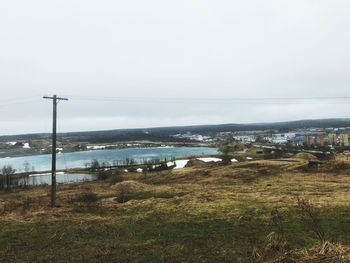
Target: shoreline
95, 147
81, 161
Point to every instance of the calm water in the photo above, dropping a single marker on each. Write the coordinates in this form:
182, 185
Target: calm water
80, 159
39, 179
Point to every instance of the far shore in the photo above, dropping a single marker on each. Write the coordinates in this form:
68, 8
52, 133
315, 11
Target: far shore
37, 148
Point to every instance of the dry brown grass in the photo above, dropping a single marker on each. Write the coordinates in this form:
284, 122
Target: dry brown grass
327, 252
231, 193
306, 156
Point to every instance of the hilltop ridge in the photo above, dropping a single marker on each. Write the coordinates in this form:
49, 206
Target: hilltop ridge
163, 133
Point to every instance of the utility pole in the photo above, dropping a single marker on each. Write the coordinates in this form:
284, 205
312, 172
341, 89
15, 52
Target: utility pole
54, 99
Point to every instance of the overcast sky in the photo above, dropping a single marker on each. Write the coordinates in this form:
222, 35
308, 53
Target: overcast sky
172, 62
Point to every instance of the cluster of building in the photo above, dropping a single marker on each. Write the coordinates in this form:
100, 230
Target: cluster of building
308, 138
193, 137
321, 140
302, 137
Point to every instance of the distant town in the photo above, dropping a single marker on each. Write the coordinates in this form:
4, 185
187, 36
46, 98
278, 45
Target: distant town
325, 136
309, 137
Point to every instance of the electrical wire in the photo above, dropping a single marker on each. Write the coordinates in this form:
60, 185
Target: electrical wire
19, 101
205, 101
214, 101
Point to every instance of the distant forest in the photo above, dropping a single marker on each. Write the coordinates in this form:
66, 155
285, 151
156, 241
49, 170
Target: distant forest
163, 133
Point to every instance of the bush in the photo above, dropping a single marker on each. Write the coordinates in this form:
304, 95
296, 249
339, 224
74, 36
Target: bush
123, 193
7, 171
117, 178
311, 215
87, 197
95, 165
103, 175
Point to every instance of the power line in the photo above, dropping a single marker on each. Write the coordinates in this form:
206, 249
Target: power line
204, 101
203, 98
18, 101
208, 101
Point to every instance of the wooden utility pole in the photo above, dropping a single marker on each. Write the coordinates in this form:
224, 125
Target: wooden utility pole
54, 99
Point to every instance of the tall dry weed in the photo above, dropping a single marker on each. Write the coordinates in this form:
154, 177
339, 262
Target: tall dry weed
311, 216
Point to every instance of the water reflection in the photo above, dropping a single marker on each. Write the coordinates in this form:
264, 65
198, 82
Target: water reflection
45, 179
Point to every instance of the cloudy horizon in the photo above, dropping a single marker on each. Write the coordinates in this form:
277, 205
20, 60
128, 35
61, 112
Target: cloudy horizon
140, 64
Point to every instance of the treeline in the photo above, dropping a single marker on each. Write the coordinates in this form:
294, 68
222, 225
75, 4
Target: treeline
164, 133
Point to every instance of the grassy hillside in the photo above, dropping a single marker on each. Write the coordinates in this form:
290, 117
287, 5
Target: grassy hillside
254, 211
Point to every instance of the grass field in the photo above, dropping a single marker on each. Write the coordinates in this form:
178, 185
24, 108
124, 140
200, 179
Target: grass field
254, 211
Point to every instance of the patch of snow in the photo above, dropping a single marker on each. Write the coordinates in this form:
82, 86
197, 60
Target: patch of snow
209, 159
95, 147
169, 164
33, 175
126, 171
249, 158
234, 160
139, 170
181, 164
11, 143
156, 166
59, 149
314, 152
26, 146
108, 199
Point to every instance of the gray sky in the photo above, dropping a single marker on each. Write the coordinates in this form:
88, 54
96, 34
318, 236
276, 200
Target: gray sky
96, 51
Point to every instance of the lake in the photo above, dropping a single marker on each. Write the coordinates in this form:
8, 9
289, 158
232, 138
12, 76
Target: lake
80, 159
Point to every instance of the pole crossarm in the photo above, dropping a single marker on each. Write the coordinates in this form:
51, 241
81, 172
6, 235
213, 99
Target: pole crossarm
52, 98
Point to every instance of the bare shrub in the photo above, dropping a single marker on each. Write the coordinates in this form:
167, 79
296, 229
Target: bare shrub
87, 201
7, 171
2, 182
275, 244
277, 219
275, 241
103, 175
117, 177
129, 161
123, 193
87, 197
94, 165
311, 215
